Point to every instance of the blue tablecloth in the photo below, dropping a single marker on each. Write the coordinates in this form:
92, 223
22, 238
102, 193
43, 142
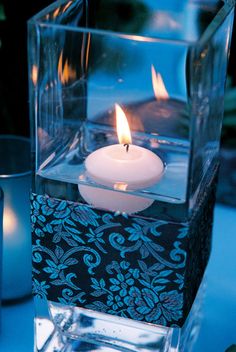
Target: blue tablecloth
218, 327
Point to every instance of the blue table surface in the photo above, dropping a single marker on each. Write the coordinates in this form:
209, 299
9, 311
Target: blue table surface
218, 326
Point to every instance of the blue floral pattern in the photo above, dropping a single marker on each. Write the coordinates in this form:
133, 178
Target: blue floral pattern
123, 265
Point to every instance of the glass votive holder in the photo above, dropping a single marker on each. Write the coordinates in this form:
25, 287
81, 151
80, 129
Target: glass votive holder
15, 180
1, 235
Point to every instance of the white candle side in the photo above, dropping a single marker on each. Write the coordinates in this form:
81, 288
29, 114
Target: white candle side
138, 167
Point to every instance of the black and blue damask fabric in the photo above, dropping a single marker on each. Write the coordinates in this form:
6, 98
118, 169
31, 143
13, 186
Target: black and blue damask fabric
117, 264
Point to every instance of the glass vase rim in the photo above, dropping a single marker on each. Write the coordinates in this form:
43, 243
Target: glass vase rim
16, 174
221, 14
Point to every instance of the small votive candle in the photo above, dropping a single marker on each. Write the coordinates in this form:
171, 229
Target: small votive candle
1, 236
15, 180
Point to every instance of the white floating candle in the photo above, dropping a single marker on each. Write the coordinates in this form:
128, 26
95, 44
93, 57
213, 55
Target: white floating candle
123, 167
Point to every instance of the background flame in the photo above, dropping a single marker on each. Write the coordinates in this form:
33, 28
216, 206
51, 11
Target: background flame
158, 86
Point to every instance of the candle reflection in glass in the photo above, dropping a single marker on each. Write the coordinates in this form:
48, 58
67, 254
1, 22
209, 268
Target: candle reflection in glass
15, 178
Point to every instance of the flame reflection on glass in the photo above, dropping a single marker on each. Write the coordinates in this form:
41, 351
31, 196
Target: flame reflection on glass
34, 74
66, 73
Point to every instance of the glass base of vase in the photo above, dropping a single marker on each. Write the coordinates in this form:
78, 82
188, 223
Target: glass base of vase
67, 328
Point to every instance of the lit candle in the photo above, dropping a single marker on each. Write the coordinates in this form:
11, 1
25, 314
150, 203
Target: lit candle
15, 181
123, 167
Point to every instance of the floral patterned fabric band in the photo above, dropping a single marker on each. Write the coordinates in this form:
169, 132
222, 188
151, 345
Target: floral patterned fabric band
144, 269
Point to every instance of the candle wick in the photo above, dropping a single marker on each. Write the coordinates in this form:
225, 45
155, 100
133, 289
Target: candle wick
127, 147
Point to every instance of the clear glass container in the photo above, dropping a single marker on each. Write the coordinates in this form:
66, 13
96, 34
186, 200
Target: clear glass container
126, 102
60, 329
164, 65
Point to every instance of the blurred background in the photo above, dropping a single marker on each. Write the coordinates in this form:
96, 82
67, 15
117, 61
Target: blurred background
14, 108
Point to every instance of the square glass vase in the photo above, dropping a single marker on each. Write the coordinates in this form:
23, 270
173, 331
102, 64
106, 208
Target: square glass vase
126, 104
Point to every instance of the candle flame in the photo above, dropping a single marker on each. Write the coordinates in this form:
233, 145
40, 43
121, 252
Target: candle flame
122, 126
9, 221
158, 86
